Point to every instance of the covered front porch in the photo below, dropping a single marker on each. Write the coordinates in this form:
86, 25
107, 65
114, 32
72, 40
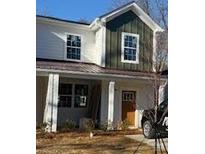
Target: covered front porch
60, 99
103, 97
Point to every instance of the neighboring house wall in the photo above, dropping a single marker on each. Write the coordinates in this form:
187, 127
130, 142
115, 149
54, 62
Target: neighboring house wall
41, 91
51, 39
131, 23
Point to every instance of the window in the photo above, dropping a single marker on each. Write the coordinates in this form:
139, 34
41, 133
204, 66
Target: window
65, 95
128, 96
130, 48
73, 47
76, 94
81, 94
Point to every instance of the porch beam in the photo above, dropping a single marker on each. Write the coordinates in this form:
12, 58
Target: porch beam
111, 91
51, 107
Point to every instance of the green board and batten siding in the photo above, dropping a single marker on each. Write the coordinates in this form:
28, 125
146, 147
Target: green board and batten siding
128, 22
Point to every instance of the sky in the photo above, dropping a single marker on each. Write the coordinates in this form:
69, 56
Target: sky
73, 9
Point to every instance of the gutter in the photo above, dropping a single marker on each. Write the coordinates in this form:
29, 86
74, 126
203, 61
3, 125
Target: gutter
95, 75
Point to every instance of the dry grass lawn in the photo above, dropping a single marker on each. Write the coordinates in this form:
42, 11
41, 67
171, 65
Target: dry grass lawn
79, 142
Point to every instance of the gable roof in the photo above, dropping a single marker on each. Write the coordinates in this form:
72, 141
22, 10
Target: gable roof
137, 10
109, 16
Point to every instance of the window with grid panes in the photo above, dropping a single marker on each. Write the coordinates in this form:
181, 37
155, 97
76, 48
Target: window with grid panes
130, 48
73, 47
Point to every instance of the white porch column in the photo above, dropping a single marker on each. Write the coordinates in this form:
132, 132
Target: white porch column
51, 107
111, 91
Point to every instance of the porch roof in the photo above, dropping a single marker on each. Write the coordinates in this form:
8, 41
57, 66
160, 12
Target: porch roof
86, 68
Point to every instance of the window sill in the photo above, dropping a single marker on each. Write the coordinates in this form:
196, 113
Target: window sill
74, 60
130, 62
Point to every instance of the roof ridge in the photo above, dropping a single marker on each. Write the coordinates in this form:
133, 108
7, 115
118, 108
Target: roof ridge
63, 61
118, 8
63, 20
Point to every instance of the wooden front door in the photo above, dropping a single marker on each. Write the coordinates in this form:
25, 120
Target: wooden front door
129, 106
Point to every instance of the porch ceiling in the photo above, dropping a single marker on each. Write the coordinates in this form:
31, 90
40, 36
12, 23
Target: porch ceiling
59, 66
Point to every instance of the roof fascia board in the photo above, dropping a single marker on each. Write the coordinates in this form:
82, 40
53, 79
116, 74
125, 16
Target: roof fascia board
93, 75
115, 13
97, 24
147, 19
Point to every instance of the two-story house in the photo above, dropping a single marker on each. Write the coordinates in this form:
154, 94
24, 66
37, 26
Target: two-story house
96, 70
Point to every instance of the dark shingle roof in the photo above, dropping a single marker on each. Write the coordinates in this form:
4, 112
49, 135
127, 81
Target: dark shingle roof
63, 20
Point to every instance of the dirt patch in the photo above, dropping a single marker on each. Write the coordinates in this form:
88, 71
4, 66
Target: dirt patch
112, 142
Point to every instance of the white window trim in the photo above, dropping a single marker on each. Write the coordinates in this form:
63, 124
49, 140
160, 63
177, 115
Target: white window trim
65, 51
125, 88
122, 48
133, 93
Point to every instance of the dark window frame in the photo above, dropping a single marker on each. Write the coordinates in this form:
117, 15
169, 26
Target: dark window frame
64, 95
81, 95
73, 94
73, 47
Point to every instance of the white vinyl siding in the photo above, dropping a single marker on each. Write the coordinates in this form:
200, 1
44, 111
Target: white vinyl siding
51, 41
143, 98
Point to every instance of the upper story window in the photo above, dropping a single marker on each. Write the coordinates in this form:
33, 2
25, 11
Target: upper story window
130, 48
73, 47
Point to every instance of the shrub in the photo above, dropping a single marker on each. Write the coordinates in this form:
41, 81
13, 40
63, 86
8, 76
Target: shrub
104, 125
89, 125
110, 124
119, 125
69, 124
43, 127
42, 133
124, 124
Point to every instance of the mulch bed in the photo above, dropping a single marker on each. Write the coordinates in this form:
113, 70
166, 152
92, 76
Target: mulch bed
76, 141
77, 132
